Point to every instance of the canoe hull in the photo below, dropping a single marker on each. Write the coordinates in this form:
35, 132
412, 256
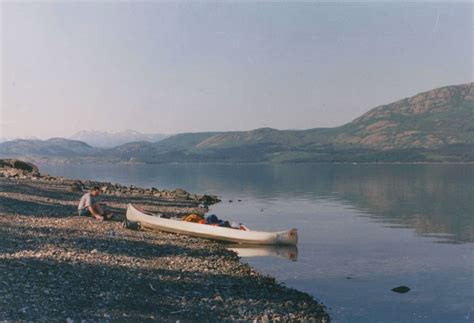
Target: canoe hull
211, 232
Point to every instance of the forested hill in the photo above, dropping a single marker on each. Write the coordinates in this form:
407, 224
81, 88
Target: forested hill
436, 125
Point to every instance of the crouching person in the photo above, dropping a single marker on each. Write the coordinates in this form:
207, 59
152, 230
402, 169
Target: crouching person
88, 206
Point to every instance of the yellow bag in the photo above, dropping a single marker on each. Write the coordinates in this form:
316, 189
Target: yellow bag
192, 218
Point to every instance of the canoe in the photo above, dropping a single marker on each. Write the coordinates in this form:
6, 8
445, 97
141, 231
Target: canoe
140, 218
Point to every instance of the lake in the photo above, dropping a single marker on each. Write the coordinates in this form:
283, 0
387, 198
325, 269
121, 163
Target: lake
364, 229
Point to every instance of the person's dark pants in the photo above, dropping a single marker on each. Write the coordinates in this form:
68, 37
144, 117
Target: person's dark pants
84, 212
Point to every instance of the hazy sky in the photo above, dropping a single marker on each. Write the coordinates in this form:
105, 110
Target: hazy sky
181, 67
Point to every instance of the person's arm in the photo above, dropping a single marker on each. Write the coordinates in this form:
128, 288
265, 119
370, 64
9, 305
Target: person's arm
93, 211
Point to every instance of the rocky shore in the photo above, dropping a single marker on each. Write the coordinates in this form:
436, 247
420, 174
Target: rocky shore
56, 265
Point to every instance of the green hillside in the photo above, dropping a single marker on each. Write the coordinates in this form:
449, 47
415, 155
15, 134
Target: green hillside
437, 125
431, 126
428, 120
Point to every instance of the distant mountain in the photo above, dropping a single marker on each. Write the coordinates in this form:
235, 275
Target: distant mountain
171, 149
54, 147
5, 139
431, 119
430, 126
108, 139
437, 125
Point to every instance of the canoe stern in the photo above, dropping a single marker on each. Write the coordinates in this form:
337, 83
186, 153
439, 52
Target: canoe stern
288, 237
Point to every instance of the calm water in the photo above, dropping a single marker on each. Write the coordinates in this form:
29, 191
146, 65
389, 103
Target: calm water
363, 229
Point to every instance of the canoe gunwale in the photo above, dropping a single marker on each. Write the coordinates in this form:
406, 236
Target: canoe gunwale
289, 237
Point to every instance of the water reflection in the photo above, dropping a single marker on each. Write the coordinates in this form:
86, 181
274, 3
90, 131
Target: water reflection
432, 199
435, 200
248, 251
352, 222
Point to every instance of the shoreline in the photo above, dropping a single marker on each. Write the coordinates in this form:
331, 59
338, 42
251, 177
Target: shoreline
56, 265
71, 162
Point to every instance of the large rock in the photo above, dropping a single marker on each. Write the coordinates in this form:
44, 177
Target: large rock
209, 199
76, 187
179, 192
19, 164
401, 289
18, 169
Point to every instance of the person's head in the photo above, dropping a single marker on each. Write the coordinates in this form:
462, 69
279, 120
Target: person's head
95, 191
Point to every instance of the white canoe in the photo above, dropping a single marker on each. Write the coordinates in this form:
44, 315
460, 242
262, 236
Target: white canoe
211, 232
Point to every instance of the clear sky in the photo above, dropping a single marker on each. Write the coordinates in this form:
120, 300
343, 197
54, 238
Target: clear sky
202, 66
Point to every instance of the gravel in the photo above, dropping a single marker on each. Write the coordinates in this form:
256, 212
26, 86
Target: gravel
55, 265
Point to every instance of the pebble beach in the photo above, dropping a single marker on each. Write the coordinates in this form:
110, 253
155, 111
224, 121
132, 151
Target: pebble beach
56, 265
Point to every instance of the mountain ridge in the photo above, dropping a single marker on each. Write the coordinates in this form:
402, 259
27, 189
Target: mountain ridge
110, 139
435, 125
